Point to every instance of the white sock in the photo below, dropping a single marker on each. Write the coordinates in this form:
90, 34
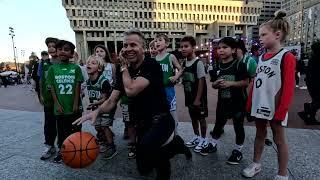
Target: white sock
238, 147
282, 177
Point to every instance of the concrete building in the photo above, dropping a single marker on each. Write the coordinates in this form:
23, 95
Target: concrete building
269, 7
103, 21
303, 16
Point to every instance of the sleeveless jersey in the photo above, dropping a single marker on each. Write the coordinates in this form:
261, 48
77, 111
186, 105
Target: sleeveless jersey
266, 87
63, 78
95, 94
46, 90
107, 73
167, 70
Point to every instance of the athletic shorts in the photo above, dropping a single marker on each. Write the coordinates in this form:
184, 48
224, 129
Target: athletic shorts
103, 122
171, 98
125, 112
198, 112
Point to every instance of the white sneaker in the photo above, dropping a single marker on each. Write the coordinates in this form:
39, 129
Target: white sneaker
193, 142
278, 177
202, 144
251, 170
48, 152
303, 87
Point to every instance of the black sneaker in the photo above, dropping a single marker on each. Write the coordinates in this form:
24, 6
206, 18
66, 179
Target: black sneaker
58, 158
268, 142
235, 157
111, 152
208, 149
132, 151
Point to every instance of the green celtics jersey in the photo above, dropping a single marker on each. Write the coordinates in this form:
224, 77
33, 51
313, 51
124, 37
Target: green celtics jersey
95, 91
64, 78
167, 69
46, 93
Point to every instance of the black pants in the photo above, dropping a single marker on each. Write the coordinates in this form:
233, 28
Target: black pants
150, 153
65, 127
50, 126
223, 113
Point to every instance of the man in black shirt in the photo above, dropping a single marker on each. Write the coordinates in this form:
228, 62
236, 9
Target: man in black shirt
141, 79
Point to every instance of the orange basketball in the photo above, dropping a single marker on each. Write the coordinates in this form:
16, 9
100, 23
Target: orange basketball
79, 150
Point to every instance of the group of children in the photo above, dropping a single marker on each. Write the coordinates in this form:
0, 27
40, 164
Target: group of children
270, 84
232, 75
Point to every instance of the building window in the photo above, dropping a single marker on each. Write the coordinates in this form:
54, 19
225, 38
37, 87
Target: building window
73, 12
177, 5
186, 6
198, 7
181, 6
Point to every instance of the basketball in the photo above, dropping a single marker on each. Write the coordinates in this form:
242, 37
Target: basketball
79, 150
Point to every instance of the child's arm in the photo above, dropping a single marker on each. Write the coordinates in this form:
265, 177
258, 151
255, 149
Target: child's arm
78, 81
177, 65
197, 100
287, 87
201, 76
76, 98
236, 84
55, 100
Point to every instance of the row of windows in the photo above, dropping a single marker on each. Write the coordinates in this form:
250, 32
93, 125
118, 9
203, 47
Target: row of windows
162, 16
168, 6
127, 24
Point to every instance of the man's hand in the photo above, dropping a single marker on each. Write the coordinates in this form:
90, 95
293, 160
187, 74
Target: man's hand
123, 61
92, 116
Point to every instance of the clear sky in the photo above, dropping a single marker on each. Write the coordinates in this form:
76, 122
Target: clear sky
33, 21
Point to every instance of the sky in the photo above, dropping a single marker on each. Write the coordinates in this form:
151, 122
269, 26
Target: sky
33, 21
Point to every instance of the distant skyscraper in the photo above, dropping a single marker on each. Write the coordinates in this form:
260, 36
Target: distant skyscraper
269, 7
305, 27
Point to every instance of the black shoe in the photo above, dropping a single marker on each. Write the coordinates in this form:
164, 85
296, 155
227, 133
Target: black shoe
268, 142
235, 157
132, 151
58, 158
208, 149
308, 120
222, 132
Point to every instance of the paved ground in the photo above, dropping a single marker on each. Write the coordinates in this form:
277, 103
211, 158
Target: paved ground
20, 98
21, 138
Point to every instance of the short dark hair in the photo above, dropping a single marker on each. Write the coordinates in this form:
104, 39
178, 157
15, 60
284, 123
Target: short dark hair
51, 40
229, 41
241, 45
189, 39
44, 53
61, 43
135, 32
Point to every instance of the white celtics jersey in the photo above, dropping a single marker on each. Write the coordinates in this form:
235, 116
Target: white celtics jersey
267, 86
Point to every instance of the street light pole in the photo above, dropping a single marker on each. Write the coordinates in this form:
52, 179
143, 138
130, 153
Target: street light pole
11, 33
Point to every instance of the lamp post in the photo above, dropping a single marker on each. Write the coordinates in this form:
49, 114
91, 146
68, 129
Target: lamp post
11, 33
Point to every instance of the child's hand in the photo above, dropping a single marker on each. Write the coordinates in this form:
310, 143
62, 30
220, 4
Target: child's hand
197, 103
59, 108
173, 79
226, 84
41, 100
216, 84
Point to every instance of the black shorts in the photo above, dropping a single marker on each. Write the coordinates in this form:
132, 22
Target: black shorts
200, 112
